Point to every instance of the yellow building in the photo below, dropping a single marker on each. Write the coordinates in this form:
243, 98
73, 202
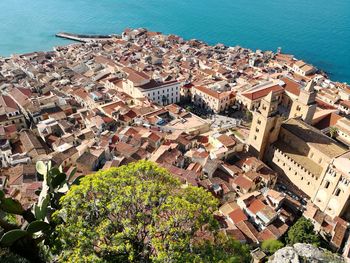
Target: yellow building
313, 162
265, 125
305, 105
333, 194
211, 99
251, 99
303, 154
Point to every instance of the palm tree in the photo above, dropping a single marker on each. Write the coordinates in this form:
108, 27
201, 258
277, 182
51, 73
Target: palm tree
333, 131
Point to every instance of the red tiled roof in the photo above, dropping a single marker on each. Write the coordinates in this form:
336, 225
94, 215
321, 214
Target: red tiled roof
125, 148
131, 131
7, 102
262, 92
266, 234
291, 86
202, 139
136, 76
237, 215
213, 93
81, 93
110, 108
324, 105
248, 230
107, 119
339, 234
226, 140
251, 161
236, 234
256, 206
154, 137
9, 129
243, 182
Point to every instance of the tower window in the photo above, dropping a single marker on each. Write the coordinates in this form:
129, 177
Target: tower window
259, 121
337, 193
326, 184
257, 130
255, 137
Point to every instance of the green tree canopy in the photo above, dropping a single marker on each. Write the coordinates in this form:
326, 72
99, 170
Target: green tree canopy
6, 256
134, 213
333, 131
303, 232
271, 245
222, 249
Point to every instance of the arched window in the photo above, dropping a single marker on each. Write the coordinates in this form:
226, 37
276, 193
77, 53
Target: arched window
326, 184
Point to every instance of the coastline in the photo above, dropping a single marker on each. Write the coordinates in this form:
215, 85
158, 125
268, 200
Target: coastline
85, 38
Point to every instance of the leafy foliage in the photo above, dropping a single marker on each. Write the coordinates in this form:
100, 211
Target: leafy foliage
37, 227
6, 256
221, 249
333, 131
303, 232
271, 245
248, 115
134, 213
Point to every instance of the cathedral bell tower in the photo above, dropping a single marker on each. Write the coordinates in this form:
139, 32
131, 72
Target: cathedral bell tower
265, 126
305, 105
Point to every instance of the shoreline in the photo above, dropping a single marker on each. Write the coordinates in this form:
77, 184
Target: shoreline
85, 38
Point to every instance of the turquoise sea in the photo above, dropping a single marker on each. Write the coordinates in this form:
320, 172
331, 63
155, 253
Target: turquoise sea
317, 31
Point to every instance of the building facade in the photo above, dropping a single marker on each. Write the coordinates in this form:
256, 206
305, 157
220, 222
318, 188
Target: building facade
139, 85
302, 155
211, 99
265, 125
305, 105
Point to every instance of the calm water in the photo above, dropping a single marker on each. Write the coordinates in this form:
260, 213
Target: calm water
315, 30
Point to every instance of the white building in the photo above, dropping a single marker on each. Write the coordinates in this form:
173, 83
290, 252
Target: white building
302, 68
139, 85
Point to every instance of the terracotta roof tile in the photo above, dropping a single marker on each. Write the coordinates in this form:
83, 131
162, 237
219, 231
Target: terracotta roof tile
291, 86
243, 182
213, 93
236, 234
266, 234
237, 215
256, 206
248, 230
339, 235
226, 140
255, 95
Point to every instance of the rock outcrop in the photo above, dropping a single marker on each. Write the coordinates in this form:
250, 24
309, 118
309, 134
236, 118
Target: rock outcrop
302, 253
